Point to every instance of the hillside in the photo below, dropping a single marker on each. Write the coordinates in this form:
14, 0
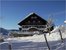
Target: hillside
4, 31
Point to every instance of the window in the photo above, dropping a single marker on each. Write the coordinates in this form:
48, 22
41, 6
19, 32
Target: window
34, 21
28, 21
33, 17
38, 21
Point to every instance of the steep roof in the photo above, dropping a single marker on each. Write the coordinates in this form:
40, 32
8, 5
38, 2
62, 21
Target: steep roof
33, 19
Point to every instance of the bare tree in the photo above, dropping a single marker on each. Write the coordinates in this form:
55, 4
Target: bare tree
50, 24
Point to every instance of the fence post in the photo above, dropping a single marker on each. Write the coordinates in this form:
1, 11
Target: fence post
60, 35
46, 41
9, 46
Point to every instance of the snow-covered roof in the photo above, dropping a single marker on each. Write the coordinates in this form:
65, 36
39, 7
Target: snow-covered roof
65, 21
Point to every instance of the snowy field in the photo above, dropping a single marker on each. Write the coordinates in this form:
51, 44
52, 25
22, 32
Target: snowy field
36, 42
55, 45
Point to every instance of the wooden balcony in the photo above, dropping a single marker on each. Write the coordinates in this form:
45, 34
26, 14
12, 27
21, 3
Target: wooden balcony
37, 26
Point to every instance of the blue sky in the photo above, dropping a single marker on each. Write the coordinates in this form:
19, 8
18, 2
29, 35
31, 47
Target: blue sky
12, 12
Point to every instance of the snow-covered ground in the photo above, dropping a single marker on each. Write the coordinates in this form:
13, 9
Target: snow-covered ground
37, 38
36, 42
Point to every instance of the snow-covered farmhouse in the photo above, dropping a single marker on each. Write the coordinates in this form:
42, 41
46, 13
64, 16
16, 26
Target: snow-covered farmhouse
33, 24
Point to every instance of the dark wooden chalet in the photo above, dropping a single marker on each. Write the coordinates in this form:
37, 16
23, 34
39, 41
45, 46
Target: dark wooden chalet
33, 24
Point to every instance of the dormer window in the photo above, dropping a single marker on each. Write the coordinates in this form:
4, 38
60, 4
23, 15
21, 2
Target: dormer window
35, 17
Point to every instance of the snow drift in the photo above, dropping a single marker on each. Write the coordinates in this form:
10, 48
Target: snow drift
54, 36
